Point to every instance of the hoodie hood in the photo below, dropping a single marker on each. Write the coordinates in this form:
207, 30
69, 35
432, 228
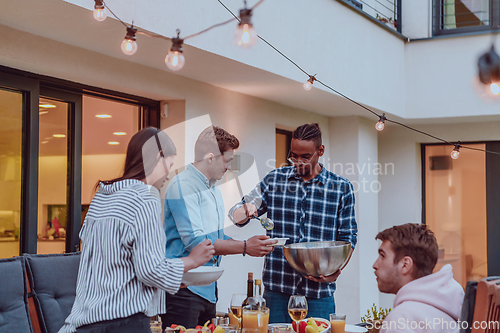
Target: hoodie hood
438, 290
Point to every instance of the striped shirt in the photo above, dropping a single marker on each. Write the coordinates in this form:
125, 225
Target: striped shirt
321, 209
123, 269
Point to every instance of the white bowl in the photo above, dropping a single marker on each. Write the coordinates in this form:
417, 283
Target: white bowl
281, 241
202, 275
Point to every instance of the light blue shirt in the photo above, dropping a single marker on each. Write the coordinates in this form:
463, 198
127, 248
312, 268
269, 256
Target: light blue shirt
194, 211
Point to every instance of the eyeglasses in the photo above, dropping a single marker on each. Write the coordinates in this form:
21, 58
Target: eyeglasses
300, 160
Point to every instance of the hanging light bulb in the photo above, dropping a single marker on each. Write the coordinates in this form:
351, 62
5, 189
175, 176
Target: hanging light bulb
489, 67
495, 88
309, 83
456, 151
175, 59
129, 45
99, 11
380, 125
245, 35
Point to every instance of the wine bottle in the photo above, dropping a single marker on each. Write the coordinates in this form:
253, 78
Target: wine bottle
261, 302
250, 300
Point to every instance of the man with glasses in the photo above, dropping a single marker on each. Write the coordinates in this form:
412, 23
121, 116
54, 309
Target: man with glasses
307, 203
194, 211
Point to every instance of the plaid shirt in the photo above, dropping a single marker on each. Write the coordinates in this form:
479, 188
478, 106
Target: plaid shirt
321, 209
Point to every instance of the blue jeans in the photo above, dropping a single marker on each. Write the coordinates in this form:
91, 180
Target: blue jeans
278, 305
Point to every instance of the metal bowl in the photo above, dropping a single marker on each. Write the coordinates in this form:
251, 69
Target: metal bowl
317, 258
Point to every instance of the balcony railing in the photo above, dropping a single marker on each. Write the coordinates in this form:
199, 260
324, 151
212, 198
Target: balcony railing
387, 12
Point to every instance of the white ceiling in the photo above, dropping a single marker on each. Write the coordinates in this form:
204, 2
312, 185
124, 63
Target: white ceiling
77, 27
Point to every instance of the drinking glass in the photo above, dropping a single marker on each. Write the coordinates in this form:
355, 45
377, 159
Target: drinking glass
337, 323
297, 308
255, 319
236, 309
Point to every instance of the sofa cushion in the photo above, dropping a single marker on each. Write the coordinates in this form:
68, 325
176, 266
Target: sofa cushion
14, 311
53, 281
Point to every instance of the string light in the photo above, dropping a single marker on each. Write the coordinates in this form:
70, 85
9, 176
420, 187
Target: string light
456, 151
380, 125
309, 83
129, 45
245, 35
175, 59
489, 67
489, 63
99, 11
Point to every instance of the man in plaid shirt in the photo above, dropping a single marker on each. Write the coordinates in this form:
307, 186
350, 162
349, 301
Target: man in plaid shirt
307, 203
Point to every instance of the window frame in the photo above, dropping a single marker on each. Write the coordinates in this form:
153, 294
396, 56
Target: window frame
437, 14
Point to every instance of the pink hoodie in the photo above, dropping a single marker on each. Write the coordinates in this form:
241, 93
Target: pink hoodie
429, 304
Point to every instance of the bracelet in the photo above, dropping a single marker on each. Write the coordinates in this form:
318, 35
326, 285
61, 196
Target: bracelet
245, 248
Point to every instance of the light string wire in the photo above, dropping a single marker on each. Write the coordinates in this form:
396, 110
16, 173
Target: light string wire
167, 38
353, 101
301, 69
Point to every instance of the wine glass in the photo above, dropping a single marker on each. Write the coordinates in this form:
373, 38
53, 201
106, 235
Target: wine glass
297, 308
236, 306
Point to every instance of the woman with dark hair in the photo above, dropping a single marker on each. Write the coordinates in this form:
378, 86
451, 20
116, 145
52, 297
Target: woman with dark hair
123, 269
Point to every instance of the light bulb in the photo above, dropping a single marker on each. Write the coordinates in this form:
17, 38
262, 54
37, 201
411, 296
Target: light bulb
380, 125
100, 14
129, 45
99, 11
495, 88
308, 85
175, 60
456, 151
245, 36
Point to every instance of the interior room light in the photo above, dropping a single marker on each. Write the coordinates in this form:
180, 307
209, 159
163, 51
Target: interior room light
495, 88
129, 45
113, 143
103, 116
59, 135
309, 83
175, 59
43, 112
46, 106
380, 125
99, 11
245, 35
456, 151
119, 133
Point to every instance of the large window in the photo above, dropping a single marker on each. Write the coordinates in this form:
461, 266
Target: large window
53, 150
460, 200
11, 112
459, 16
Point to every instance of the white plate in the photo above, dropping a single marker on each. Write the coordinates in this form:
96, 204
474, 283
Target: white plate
202, 275
354, 328
281, 241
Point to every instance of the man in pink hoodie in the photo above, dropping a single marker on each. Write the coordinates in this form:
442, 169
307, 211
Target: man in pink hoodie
425, 301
